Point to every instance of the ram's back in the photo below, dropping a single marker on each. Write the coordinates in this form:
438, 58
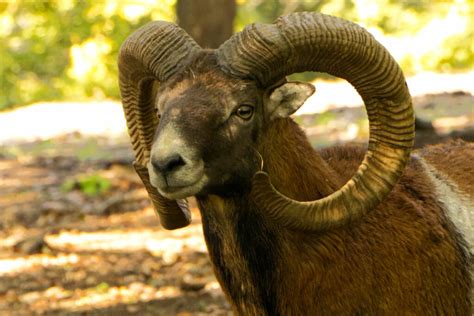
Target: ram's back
455, 161
444, 170
442, 173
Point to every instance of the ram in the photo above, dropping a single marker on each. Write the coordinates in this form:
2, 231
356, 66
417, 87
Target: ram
293, 231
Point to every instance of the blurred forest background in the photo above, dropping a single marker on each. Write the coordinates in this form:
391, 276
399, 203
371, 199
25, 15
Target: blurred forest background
67, 50
77, 233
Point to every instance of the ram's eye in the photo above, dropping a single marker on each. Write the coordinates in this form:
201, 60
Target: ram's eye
244, 112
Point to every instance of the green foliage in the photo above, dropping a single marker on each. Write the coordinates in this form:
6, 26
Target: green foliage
67, 49
91, 185
460, 52
423, 35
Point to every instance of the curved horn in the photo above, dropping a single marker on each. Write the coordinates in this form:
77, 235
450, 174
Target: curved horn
316, 42
151, 54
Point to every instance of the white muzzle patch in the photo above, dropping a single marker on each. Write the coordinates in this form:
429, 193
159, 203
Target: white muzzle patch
188, 179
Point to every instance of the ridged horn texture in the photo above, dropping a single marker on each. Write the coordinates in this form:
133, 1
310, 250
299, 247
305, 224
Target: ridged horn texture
151, 54
316, 42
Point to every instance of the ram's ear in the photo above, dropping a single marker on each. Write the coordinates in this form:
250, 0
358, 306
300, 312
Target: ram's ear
284, 100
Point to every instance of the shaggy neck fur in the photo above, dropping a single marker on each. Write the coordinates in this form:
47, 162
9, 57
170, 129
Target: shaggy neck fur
403, 246
244, 247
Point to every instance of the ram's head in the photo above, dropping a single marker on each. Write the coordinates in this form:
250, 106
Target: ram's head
206, 141
196, 116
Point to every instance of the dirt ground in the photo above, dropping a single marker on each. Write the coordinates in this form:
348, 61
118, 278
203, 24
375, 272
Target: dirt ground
78, 236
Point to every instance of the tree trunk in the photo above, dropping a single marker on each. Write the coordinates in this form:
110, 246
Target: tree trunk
209, 22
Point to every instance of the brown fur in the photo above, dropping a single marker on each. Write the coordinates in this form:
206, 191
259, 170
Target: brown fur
284, 143
403, 258
454, 153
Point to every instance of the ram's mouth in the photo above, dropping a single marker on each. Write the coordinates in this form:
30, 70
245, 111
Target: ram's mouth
181, 192
186, 182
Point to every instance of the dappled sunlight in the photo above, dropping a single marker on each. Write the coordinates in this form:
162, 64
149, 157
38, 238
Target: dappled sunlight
10, 238
6, 24
85, 58
423, 49
133, 11
160, 243
102, 278
447, 124
18, 265
101, 296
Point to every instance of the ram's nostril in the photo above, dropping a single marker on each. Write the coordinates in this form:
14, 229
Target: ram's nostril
168, 164
174, 162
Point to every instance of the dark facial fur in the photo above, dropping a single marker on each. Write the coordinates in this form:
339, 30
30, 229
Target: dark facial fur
201, 103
